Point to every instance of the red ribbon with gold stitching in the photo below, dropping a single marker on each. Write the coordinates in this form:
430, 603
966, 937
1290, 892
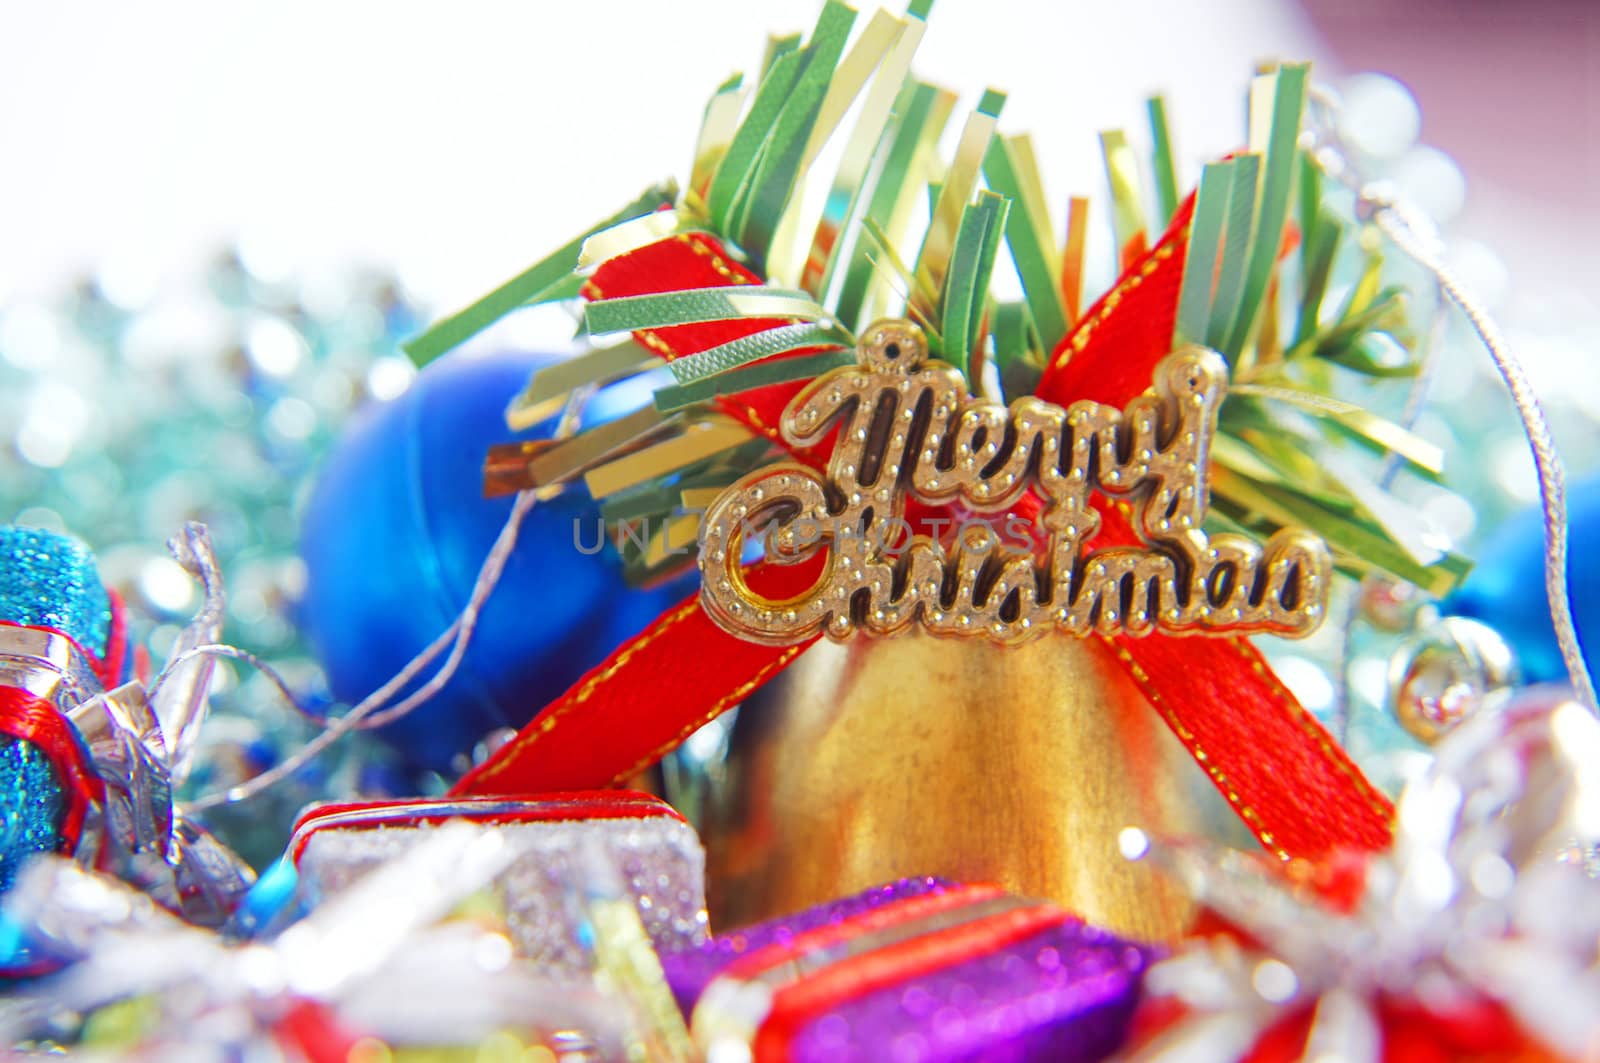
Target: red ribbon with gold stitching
1291, 783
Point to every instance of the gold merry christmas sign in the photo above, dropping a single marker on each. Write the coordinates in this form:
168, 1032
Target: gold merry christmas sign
907, 426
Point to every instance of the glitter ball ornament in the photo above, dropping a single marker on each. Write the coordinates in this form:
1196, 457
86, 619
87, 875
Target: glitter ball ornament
1448, 673
1389, 605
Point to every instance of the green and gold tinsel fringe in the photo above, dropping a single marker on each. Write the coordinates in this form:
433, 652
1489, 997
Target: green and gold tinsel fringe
896, 229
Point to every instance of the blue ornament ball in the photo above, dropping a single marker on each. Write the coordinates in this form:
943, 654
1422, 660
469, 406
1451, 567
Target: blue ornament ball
1506, 589
396, 529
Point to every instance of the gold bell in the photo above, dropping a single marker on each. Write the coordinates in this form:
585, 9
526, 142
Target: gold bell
980, 756
916, 755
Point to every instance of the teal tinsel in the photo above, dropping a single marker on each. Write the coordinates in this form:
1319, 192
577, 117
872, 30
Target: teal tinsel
210, 401
31, 805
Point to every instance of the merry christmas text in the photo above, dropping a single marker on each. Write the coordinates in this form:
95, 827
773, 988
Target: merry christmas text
908, 428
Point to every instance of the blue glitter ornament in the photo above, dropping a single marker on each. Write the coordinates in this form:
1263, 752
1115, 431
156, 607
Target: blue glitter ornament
1506, 589
32, 804
393, 536
50, 580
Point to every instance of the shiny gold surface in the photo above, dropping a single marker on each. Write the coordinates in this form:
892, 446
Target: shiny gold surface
916, 755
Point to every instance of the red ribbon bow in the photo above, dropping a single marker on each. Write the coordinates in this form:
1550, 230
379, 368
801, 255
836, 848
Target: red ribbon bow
1281, 771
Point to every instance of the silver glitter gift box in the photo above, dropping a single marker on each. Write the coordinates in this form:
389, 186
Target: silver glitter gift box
655, 851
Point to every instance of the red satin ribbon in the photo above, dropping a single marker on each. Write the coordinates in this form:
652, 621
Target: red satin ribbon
791, 949
798, 1004
310, 1030
414, 811
1293, 785
637, 705
1285, 776
1476, 1031
31, 719
109, 666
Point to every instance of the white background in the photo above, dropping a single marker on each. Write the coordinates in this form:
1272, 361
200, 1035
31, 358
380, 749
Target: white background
460, 141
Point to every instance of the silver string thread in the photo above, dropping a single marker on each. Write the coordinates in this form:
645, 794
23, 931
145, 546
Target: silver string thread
1417, 239
457, 637
374, 711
